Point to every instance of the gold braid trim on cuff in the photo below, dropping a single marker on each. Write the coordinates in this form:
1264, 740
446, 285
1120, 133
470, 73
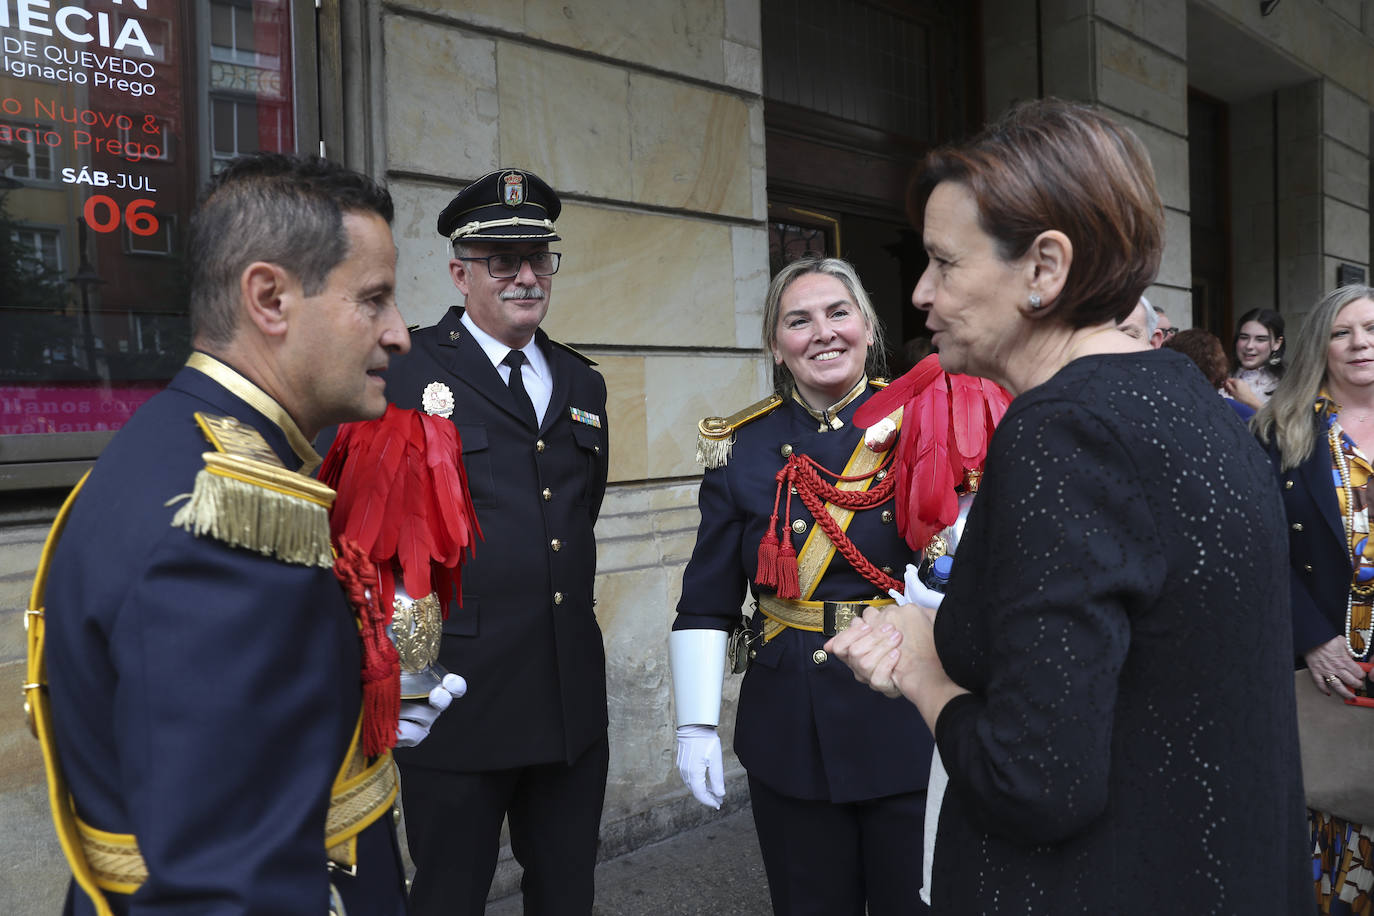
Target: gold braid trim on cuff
114, 858
357, 801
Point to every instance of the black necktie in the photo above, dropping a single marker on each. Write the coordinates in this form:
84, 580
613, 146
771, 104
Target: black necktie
515, 359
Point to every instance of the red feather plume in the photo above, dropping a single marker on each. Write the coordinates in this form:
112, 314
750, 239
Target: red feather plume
948, 421
403, 499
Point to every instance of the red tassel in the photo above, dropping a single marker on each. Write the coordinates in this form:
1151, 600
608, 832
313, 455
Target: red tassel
381, 704
381, 669
788, 584
767, 574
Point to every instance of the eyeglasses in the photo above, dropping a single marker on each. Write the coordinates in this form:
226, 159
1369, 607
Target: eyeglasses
506, 265
1169, 332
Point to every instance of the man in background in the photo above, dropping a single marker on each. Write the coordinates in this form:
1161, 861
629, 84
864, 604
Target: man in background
1141, 323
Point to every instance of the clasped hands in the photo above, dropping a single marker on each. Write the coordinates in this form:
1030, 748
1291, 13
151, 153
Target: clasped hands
892, 649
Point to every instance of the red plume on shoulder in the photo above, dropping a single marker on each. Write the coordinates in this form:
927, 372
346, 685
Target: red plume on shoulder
403, 497
947, 423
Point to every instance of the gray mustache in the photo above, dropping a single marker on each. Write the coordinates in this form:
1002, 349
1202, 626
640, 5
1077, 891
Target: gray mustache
523, 292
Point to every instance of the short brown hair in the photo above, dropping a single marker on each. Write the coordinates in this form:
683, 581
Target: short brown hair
1050, 164
1205, 349
282, 209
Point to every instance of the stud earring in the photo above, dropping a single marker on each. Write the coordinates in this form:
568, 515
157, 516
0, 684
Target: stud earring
1035, 302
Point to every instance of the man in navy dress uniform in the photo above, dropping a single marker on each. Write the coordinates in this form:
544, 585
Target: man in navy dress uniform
528, 742
205, 666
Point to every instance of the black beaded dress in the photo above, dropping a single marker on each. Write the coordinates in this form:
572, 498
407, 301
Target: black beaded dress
1119, 613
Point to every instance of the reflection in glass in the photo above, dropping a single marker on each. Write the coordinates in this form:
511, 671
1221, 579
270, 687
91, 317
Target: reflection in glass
97, 180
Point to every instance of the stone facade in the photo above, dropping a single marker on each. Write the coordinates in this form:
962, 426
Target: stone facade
1299, 122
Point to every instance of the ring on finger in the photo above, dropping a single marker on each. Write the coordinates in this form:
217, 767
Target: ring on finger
1332, 679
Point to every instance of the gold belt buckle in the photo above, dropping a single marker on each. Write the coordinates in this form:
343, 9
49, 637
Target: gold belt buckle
838, 615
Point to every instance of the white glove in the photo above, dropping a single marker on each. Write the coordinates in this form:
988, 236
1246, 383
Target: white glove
916, 591
417, 718
698, 758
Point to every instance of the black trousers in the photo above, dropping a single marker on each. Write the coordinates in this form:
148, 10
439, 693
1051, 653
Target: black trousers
832, 859
453, 829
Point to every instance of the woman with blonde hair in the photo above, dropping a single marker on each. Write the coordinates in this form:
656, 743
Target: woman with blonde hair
797, 514
1319, 429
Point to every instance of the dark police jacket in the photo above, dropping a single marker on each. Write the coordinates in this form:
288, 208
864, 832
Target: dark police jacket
805, 726
203, 696
525, 637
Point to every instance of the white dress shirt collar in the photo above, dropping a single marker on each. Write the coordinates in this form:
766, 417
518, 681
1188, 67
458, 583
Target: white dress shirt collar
537, 373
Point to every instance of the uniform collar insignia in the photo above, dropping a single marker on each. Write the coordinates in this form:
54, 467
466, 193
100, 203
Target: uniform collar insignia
828, 417
260, 401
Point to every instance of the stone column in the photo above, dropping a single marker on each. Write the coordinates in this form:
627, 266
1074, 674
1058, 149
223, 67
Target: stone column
1128, 58
1344, 158
1322, 132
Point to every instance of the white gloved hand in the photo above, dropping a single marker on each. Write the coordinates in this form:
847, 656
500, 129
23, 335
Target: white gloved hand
916, 591
699, 760
417, 718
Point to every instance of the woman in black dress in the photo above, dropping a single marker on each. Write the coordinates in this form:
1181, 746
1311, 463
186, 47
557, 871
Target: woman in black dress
1108, 679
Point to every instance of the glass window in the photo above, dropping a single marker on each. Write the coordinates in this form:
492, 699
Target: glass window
43, 246
24, 147
110, 123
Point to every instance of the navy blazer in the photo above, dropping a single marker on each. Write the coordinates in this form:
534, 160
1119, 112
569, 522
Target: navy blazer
525, 636
805, 726
203, 696
1319, 558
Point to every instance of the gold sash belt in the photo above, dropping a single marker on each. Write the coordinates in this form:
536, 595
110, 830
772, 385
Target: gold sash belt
355, 803
828, 617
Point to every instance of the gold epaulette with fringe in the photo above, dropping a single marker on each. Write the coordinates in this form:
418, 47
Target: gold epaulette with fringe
245, 497
715, 435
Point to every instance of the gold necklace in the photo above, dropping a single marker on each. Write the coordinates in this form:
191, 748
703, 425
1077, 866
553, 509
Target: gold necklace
1348, 517
1340, 410
1361, 417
